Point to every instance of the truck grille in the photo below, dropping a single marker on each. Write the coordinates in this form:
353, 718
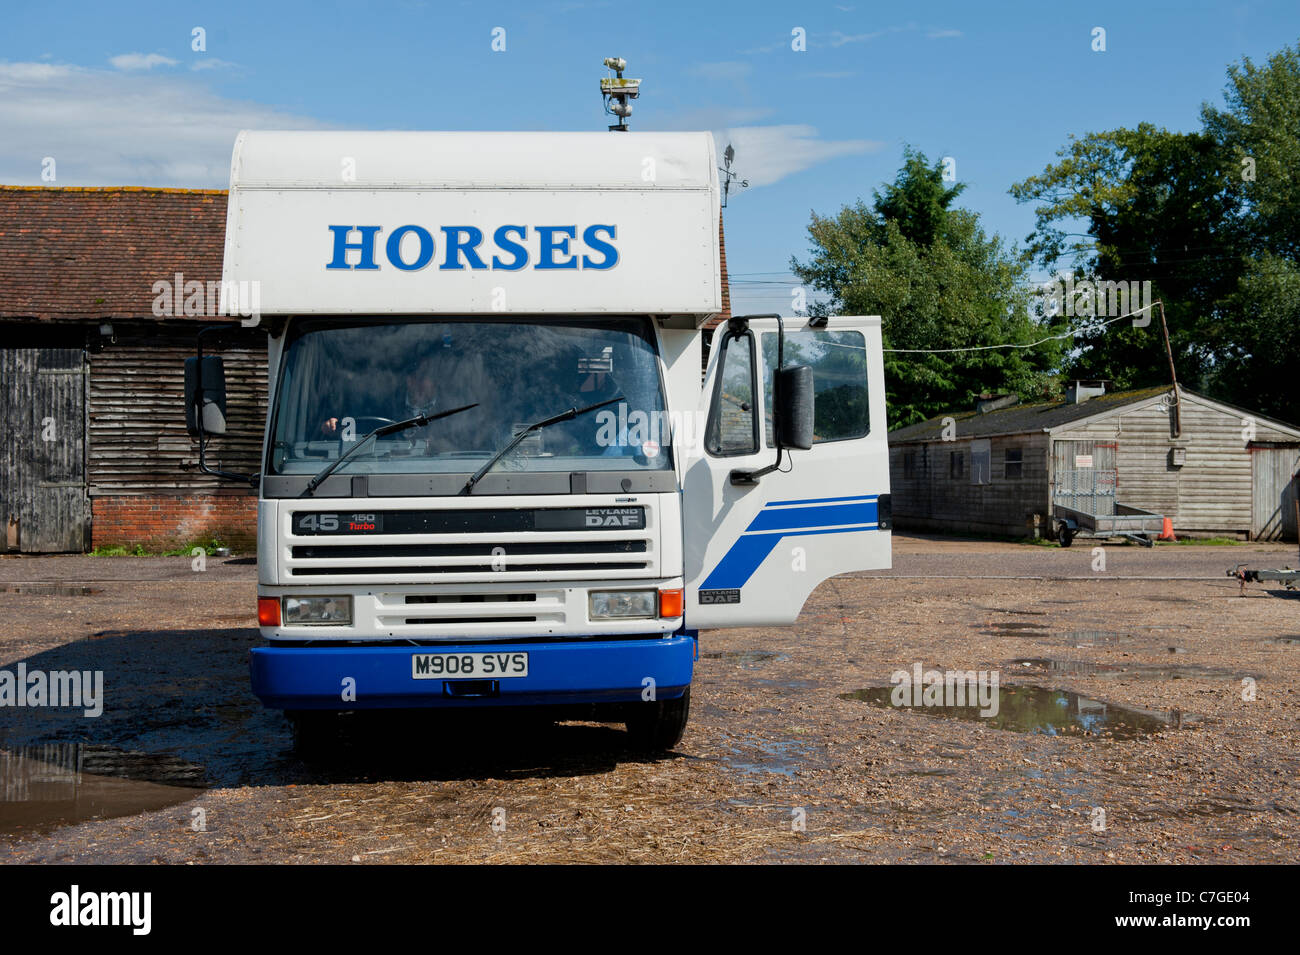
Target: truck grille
470, 544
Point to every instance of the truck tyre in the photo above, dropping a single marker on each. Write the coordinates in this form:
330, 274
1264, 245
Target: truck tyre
1064, 536
315, 733
658, 726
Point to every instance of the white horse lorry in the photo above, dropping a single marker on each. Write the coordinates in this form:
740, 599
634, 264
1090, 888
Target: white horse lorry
493, 471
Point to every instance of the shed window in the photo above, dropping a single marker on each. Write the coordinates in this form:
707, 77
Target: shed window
981, 461
1015, 467
956, 464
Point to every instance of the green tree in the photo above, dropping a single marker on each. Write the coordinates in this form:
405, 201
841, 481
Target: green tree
1211, 218
1159, 208
939, 282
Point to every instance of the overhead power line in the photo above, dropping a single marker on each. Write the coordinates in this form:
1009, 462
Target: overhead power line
1041, 341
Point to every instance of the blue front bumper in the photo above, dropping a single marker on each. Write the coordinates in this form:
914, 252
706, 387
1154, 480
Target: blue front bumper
596, 671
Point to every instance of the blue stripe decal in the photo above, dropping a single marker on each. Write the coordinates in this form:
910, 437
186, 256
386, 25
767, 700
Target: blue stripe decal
739, 563
745, 556
780, 519
824, 500
835, 515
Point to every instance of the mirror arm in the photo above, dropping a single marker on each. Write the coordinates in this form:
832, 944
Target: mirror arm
740, 477
196, 400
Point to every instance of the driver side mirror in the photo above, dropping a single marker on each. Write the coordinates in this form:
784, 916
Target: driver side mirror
213, 399
794, 407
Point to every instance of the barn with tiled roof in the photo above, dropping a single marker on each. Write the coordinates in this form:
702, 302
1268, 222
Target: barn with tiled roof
92, 371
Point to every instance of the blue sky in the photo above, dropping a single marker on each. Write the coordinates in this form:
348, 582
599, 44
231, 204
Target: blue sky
116, 95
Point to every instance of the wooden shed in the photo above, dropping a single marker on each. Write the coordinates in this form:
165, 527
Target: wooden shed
91, 371
1213, 469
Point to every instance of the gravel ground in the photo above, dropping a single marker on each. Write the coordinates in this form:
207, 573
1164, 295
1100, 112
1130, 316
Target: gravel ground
184, 766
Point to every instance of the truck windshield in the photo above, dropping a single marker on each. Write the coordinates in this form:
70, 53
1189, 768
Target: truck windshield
339, 382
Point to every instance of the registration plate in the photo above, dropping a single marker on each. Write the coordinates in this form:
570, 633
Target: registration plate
468, 666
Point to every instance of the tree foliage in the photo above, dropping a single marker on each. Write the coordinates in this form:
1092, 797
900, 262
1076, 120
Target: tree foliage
1211, 218
939, 282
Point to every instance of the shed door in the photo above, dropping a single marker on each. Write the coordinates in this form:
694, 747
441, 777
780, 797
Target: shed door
1273, 492
43, 500
1084, 475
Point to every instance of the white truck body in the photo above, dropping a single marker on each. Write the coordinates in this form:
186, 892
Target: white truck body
379, 235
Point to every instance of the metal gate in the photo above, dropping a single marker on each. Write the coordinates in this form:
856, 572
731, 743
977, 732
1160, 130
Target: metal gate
43, 499
1084, 476
1273, 488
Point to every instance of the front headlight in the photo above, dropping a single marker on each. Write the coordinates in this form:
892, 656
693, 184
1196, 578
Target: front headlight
623, 604
317, 611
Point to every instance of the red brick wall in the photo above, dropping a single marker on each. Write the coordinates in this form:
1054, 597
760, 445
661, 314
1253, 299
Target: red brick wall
166, 522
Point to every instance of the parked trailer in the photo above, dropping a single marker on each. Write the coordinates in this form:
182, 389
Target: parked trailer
492, 474
1286, 576
1084, 505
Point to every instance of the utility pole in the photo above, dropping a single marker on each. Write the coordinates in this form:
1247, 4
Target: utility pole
616, 91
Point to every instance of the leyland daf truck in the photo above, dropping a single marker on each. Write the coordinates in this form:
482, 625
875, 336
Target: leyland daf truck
495, 471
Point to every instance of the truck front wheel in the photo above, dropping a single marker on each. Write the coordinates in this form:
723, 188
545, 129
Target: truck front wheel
659, 726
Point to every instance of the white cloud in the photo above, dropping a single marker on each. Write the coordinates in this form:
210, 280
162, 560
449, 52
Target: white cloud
140, 61
840, 39
212, 63
767, 154
108, 128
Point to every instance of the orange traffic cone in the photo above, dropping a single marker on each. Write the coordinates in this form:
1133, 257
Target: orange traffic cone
1167, 533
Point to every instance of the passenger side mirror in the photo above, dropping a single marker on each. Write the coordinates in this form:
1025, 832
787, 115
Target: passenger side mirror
213, 397
794, 407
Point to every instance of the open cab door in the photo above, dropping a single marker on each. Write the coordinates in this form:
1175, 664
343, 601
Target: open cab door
759, 537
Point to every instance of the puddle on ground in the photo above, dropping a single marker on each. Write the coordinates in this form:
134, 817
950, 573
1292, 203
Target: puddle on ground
780, 757
1092, 638
1137, 671
996, 629
1043, 711
57, 784
746, 658
50, 590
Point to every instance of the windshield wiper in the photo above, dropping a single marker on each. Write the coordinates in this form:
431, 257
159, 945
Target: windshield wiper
418, 421
536, 426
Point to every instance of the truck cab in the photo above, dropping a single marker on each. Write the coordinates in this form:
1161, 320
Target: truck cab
493, 473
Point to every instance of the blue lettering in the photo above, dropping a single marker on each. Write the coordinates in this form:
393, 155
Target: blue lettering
506, 244
598, 245
394, 248
342, 246
546, 256
456, 245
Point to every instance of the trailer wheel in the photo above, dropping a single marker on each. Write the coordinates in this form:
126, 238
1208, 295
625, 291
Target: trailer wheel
659, 726
315, 733
1064, 536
